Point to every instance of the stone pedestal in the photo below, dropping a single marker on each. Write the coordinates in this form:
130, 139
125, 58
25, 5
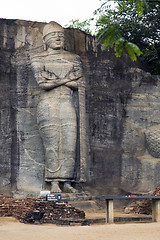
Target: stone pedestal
109, 211
155, 210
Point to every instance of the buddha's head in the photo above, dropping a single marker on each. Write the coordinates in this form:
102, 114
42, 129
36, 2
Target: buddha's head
53, 35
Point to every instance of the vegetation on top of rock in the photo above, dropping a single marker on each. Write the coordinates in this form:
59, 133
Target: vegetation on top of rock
133, 25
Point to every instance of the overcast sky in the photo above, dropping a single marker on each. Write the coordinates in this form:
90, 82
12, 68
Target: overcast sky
61, 11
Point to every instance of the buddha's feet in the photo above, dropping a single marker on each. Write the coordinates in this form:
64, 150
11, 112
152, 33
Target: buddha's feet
55, 187
68, 188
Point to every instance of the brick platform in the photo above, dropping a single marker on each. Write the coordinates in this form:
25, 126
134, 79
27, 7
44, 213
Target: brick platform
35, 210
145, 207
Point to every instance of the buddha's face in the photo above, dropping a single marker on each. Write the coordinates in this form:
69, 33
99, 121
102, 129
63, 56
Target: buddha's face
55, 40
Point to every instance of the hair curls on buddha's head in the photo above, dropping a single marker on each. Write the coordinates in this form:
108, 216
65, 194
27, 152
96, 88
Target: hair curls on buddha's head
52, 27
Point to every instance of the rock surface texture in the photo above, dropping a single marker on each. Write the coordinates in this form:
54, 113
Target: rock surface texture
122, 112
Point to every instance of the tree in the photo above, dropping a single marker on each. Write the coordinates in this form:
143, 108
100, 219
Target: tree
133, 25
127, 27
84, 26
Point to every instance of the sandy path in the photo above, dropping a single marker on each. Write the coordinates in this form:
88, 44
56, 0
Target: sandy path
10, 229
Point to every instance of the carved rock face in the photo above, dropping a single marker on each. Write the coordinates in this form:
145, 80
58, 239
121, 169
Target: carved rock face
59, 72
153, 141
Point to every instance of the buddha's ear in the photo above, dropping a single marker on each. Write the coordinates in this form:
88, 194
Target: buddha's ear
44, 47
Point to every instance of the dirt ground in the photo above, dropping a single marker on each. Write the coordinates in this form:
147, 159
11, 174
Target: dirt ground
11, 229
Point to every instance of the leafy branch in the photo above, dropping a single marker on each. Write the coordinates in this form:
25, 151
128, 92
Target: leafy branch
111, 36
